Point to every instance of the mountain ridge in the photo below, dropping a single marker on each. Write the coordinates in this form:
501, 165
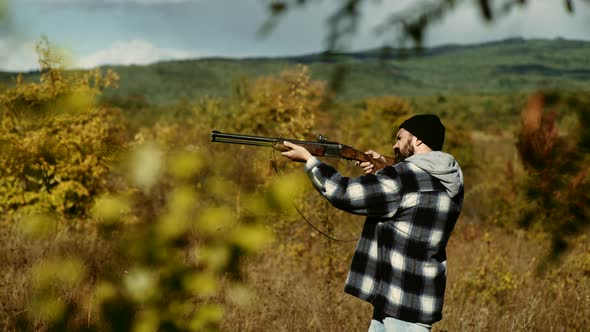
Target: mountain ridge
503, 66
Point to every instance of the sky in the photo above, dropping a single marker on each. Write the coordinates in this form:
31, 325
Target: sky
98, 32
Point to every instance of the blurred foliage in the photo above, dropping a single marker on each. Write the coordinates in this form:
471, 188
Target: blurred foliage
557, 162
175, 258
409, 24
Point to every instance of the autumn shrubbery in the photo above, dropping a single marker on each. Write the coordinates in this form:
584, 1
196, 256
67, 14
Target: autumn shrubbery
284, 106
55, 146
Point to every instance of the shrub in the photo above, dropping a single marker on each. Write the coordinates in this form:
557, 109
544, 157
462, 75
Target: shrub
284, 106
55, 145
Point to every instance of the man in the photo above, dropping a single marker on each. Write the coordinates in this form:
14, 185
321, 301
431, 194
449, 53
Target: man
399, 264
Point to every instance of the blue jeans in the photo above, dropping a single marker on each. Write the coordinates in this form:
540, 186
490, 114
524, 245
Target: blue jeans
395, 325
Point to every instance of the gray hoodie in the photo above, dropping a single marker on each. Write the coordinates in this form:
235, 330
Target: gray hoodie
442, 166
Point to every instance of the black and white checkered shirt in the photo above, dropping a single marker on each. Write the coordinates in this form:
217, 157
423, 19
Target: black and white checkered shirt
399, 264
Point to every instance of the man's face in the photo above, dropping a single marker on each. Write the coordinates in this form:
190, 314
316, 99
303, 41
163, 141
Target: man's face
403, 147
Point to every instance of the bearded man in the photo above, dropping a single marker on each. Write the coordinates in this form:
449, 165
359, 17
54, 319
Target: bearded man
400, 262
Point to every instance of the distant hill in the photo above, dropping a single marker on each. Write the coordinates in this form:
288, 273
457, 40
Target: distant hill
512, 65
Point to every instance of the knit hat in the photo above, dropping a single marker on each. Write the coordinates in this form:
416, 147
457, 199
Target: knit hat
427, 128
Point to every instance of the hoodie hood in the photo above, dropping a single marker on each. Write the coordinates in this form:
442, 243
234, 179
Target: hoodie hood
442, 166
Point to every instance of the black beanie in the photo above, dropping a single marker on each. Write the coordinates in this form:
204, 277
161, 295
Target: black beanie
427, 128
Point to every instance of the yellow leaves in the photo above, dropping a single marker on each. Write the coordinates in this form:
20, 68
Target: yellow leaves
285, 189
183, 165
109, 209
252, 238
141, 284
219, 187
95, 79
38, 226
181, 200
105, 291
67, 195
507, 281
255, 205
50, 59
77, 102
220, 220
215, 219
146, 165
49, 309
148, 321
282, 106
58, 272
201, 284
178, 218
205, 314
215, 257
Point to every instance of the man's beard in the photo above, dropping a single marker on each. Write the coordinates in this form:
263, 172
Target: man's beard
401, 154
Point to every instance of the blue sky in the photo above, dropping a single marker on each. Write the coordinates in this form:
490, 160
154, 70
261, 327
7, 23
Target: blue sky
96, 32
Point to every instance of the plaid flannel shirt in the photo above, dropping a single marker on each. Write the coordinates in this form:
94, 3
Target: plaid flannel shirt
399, 264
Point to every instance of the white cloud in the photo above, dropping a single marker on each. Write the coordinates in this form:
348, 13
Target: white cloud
17, 55
20, 56
139, 52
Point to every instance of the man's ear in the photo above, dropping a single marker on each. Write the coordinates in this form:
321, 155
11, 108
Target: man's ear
417, 141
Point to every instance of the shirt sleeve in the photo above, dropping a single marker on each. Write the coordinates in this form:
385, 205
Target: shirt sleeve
371, 195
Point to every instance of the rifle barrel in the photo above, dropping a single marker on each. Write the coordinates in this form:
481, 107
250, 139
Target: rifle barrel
328, 149
241, 139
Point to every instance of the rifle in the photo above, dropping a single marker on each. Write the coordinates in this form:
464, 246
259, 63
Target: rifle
321, 148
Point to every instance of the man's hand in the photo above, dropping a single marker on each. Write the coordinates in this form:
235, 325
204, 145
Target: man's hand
297, 153
369, 167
